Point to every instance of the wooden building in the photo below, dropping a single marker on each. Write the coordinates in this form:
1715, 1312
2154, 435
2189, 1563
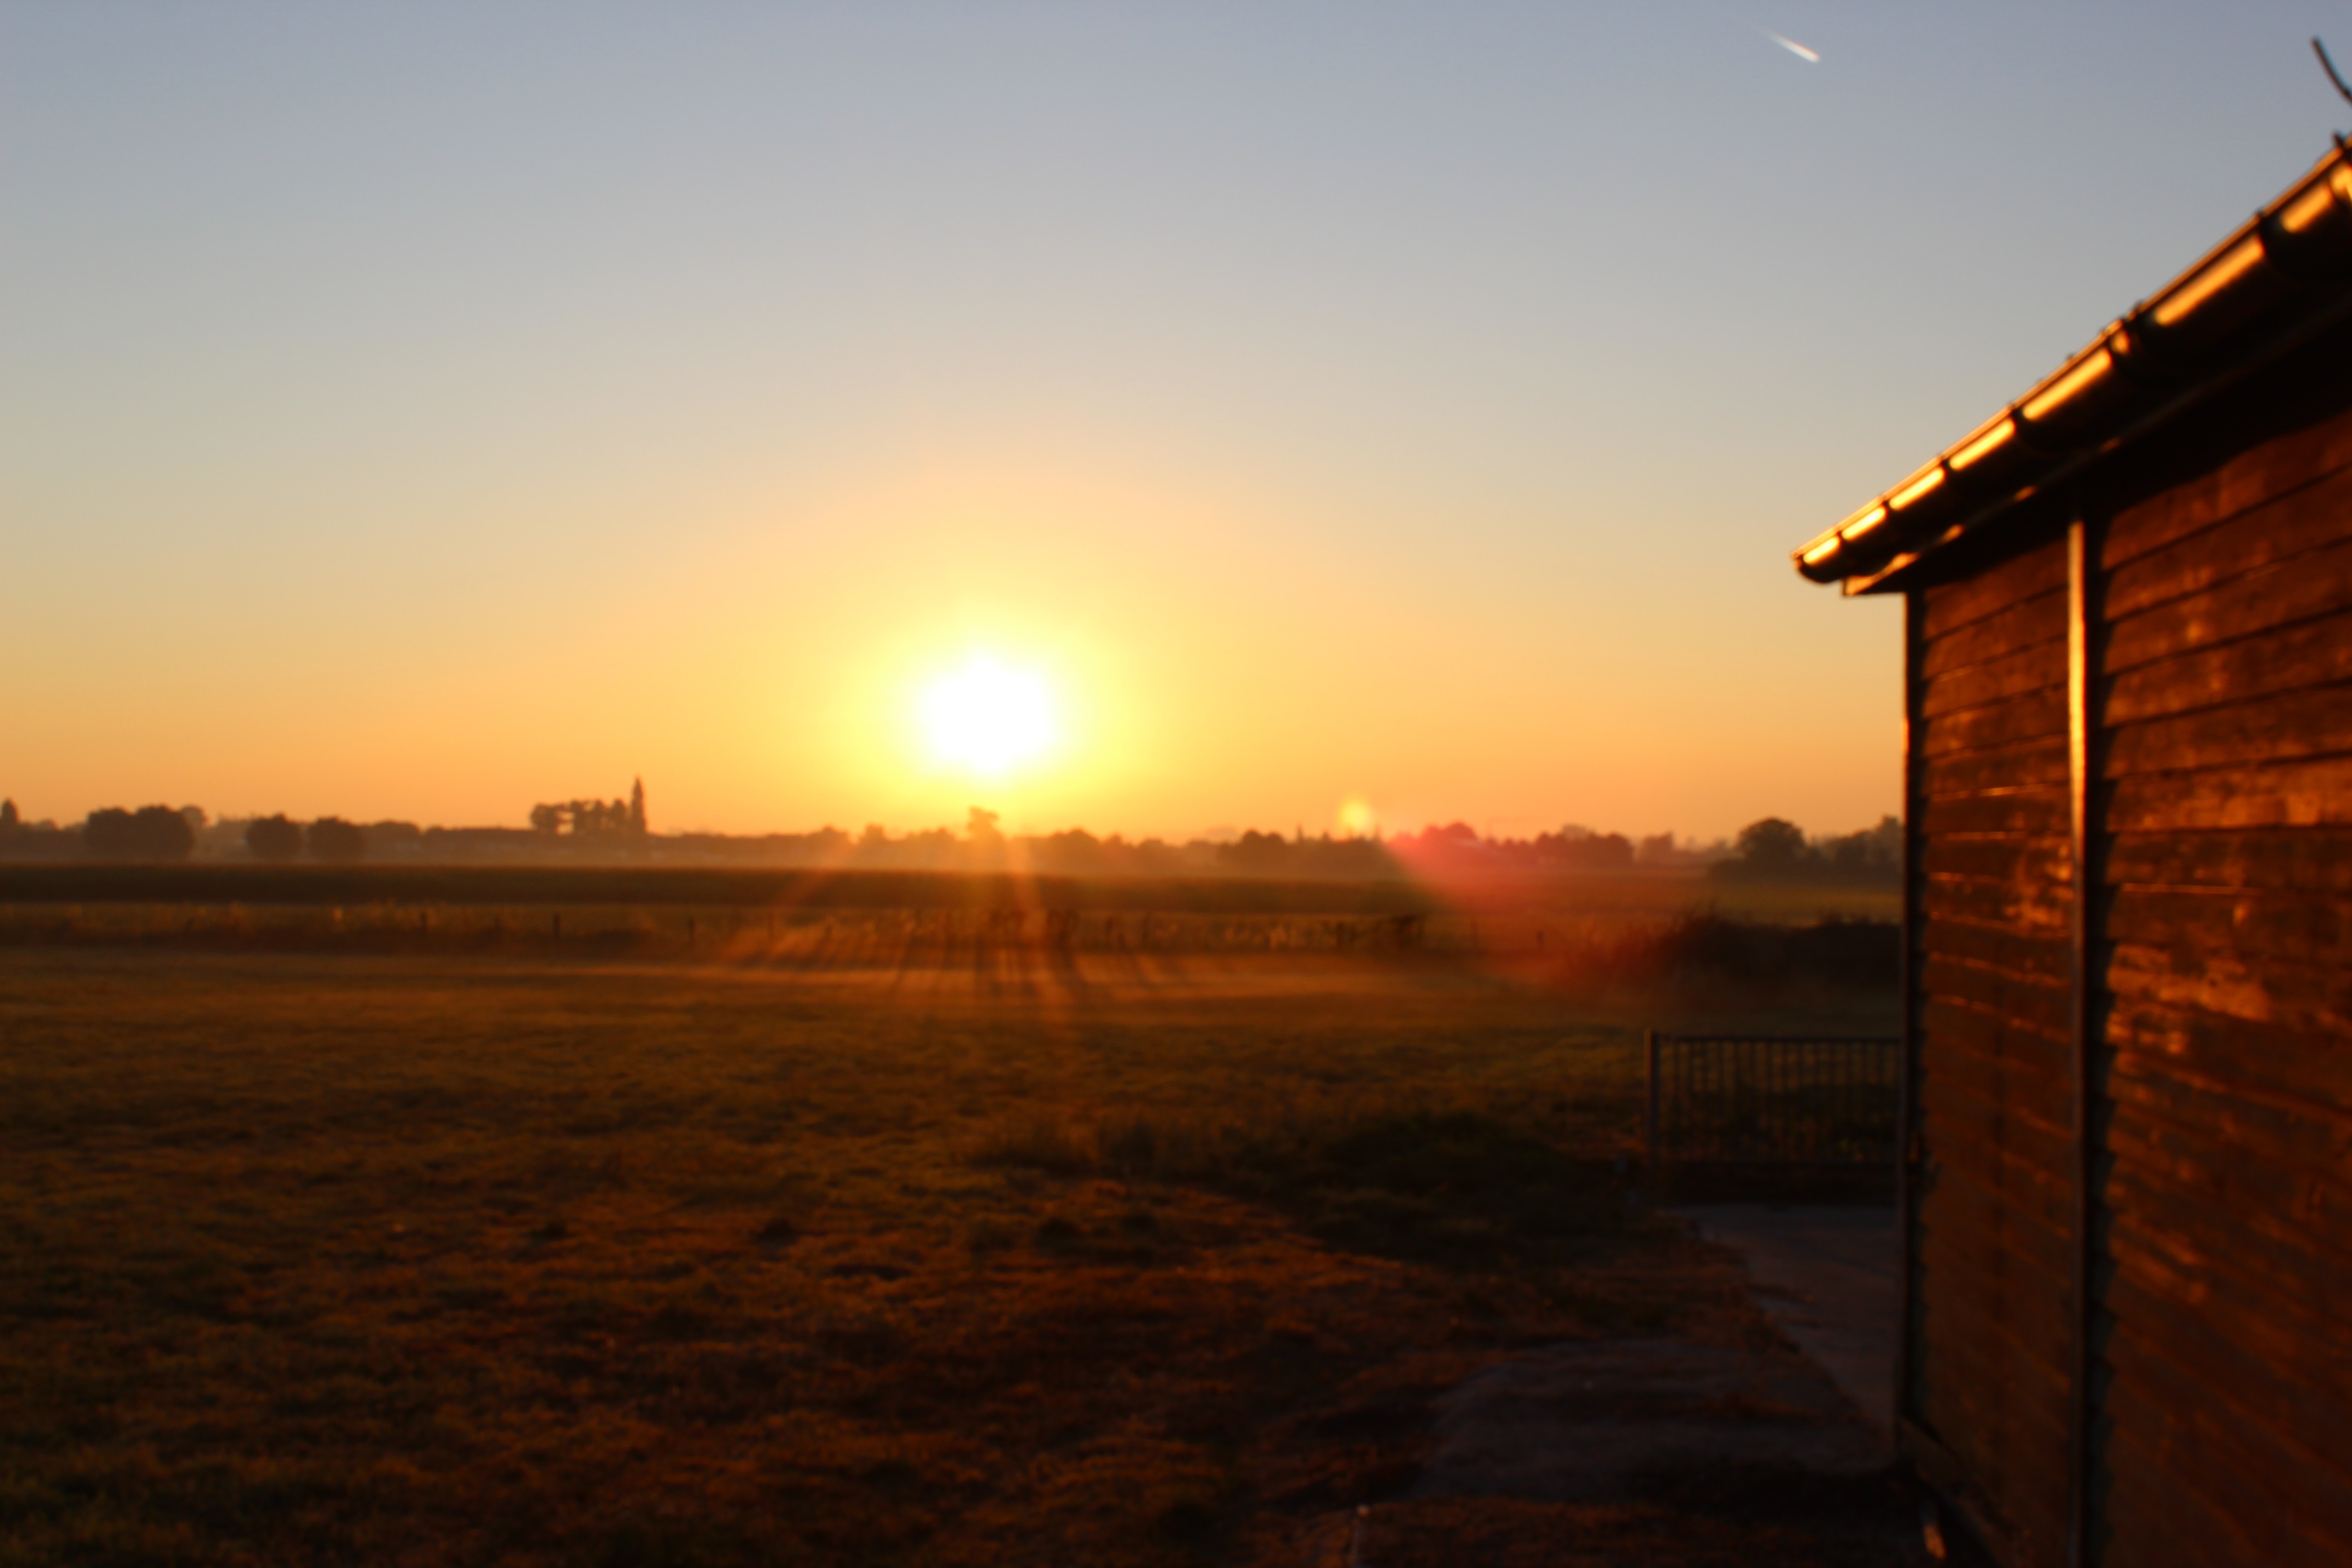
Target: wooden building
2127, 1166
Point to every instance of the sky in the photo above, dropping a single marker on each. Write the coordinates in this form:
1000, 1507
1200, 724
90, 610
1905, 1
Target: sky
1366, 412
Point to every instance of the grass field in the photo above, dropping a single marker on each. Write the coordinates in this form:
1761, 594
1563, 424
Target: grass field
1587, 924
423, 1260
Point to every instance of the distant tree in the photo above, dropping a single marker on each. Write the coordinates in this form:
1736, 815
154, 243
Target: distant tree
334, 840
637, 807
1073, 850
1873, 855
1655, 849
933, 848
1264, 854
980, 826
1772, 844
391, 840
273, 839
9, 821
151, 833
547, 819
1581, 849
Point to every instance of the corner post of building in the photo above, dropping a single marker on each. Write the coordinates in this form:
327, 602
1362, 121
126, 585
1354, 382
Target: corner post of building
2082, 762
1907, 1069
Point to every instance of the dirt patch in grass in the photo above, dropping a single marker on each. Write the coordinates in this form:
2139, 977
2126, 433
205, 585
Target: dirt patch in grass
396, 1261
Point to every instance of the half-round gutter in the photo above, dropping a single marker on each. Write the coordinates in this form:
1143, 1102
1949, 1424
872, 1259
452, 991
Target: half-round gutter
2283, 276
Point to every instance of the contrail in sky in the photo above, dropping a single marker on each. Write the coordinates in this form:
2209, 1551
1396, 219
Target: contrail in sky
1796, 49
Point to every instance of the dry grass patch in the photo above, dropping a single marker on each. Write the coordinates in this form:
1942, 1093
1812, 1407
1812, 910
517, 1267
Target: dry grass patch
396, 1261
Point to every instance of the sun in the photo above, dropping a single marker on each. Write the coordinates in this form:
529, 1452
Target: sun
988, 718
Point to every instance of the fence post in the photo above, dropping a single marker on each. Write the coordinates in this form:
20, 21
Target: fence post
1650, 1140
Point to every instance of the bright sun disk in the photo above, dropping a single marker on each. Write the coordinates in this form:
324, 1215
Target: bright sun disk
988, 718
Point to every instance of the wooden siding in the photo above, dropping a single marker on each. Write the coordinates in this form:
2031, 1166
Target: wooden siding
2222, 734
1993, 1100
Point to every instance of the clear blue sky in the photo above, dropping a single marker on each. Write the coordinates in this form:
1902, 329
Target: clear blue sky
425, 409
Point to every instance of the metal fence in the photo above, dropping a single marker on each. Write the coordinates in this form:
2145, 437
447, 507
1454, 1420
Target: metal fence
1747, 1099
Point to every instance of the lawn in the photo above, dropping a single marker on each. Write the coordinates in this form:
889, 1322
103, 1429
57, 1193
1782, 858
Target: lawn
1122, 1260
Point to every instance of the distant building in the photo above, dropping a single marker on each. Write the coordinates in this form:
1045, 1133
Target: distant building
2128, 1178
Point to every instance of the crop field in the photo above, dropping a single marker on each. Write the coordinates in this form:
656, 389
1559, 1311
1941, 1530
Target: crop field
518, 1257
909, 920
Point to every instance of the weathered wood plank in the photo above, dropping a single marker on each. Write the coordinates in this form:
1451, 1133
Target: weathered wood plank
2153, 1524
2014, 1145
2217, 1398
2313, 1000
2004, 1224
2004, 859
2024, 810
2018, 906
2171, 1227
1947, 606
2014, 1001
2155, 1247
2019, 1001
1949, 1027
2286, 860
2303, 520
2034, 957
2040, 765
2010, 1081
1998, 1309
2315, 723
2000, 676
2034, 626
2156, 1519
2293, 658
2278, 595
1999, 1405
2314, 793
2277, 467
2302, 1066
2286, 1366
1952, 1021
2035, 716
2253, 927
2168, 1248
2008, 1204
2015, 1457
2268, 1175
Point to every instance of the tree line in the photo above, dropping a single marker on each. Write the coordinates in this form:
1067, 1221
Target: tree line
1775, 850
165, 833
1771, 849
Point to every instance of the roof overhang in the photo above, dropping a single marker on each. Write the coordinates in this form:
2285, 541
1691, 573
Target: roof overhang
2284, 275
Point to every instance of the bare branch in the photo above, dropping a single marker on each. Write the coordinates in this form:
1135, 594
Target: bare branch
2329, 67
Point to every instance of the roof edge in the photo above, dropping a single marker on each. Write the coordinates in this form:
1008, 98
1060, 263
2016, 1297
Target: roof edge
2281, 276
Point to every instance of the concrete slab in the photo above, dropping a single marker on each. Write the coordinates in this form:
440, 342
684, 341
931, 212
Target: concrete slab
1829, 1278
1603, 1419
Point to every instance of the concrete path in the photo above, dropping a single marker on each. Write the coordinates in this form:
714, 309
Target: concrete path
1783, 1445
1827, 1275
1597, 1420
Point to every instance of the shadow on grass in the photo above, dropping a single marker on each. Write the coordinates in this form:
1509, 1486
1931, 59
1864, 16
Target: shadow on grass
1458, 1188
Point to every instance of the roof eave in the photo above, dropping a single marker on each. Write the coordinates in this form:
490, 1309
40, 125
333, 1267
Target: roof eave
2283, 276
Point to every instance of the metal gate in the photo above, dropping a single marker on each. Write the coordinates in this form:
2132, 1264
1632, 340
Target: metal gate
1755, 1100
